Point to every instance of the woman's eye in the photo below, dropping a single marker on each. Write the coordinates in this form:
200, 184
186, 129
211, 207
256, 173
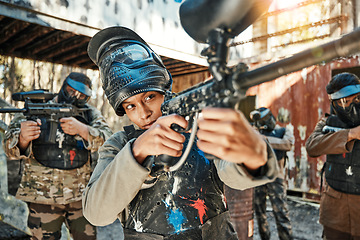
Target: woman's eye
357, 99
149, 97
128, 107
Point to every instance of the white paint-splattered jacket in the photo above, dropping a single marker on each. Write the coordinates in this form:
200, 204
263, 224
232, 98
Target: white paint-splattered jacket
118, 178
46, 185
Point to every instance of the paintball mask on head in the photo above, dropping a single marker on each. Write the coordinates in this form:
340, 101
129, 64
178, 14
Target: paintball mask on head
263, 119
74, 91
346, 103
128, 66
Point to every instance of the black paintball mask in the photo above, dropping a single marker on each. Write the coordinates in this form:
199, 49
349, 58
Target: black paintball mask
128, 66
78, 94
263, 119
346, 104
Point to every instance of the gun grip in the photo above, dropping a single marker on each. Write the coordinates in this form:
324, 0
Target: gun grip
166, 160
53, 126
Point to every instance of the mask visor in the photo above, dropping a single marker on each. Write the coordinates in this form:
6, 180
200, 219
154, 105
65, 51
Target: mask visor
128, 52
345, 92
79, 86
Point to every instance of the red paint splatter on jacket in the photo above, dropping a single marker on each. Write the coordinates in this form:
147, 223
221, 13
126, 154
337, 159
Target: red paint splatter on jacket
199, 204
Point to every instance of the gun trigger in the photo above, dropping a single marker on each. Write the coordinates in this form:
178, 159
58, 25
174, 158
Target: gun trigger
177, 128
32, 118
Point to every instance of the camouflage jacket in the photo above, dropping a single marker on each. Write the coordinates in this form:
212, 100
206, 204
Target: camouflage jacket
283, 144
46, 185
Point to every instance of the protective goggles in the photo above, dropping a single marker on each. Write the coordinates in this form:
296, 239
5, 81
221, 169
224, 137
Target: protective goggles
130, 52
257, 115
79, 86
74, 93
347, 101
345, 96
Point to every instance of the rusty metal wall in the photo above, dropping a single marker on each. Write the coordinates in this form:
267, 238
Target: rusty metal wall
299, 100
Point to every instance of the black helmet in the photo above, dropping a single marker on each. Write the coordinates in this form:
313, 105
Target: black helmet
263, 118
341, 87
81, 83
127, 64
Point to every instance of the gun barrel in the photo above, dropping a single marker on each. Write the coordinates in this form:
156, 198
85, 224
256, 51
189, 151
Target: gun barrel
348, 44
12, 110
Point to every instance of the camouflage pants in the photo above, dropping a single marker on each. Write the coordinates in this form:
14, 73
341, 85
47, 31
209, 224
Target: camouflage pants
277, 194
45, 221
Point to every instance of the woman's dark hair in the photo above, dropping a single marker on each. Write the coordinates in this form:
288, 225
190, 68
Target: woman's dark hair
341, 80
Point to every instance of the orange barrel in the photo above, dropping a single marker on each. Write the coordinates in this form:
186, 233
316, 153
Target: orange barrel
240, 205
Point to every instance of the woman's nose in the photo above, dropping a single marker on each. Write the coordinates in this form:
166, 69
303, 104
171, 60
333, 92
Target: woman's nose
145, 112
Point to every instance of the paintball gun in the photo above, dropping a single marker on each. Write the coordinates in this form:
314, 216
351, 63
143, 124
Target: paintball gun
331, 121
36, 107
327, 129
221, 21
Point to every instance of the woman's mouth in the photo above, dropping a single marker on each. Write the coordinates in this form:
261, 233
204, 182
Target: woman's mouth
147, 126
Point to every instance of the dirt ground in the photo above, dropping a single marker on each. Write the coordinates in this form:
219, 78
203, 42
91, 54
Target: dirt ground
304, 217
